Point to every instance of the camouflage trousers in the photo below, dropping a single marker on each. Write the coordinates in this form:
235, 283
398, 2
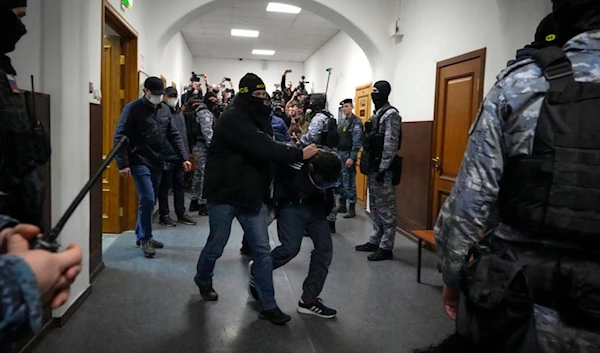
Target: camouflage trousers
348, 179
382, 200
553, 336
332, 217
200, 153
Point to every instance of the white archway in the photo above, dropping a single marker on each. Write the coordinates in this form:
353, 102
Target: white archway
368, 42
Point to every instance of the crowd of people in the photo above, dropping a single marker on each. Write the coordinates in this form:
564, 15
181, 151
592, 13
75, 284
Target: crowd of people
517, 236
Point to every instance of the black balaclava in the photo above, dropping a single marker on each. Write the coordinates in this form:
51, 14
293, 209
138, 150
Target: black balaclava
381, 98
249, 84
208, 102
574, 17
12, 29
316, 103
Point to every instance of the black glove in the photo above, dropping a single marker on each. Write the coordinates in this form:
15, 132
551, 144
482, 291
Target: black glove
380, 177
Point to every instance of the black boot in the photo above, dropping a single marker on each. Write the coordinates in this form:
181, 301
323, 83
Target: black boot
342, 208
352, 212
381, 255
194, 206
332, 227
203, 211
208, 293
368, 247
276, 316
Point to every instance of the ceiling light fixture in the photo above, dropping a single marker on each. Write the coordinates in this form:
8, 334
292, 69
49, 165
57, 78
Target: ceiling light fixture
284, 8
263, 52
244, 33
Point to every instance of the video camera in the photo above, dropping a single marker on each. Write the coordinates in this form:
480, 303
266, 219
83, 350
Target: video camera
277, 95
302, 85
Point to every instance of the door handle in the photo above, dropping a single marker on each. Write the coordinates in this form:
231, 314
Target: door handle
436, 163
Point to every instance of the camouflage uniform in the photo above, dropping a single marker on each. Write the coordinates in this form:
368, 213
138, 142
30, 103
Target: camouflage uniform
20, 298
505, 127
317, 124
382, 196
348, 188
205, 120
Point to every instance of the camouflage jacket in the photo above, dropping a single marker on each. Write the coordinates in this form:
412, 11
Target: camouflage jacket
505, 127
317, 124
20, 300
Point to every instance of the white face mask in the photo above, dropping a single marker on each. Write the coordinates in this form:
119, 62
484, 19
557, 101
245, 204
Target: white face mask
155, 99
172, 102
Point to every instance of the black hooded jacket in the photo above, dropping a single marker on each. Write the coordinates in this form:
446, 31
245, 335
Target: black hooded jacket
237, 166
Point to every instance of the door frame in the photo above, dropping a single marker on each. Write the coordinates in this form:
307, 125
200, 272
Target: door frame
481, 53
129, 36
356, 109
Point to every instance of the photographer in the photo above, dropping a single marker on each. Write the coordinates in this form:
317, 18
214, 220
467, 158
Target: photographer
193, 96
286, 86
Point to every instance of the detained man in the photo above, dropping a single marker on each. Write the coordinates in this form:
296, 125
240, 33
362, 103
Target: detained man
237, 185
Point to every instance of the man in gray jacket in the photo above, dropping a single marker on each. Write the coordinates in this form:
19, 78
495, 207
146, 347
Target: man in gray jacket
172, 176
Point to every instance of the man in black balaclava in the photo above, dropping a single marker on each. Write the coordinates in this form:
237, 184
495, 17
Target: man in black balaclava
382, 141
21, 188
546, 35
237, 185
203, 133
530, 225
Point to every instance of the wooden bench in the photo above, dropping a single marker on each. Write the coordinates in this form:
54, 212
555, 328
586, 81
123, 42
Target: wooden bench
428, 237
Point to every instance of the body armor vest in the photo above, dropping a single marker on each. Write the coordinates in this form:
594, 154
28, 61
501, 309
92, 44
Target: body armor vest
554, 193
345, 132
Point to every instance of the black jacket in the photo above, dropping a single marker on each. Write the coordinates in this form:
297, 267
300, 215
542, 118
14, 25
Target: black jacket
237, 166
179, 120
149, 130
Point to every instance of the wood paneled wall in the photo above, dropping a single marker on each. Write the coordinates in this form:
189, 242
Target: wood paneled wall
96, 264
412, 195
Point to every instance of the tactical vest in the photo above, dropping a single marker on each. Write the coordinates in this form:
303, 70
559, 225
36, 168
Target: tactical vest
345, 132
374, 143
554, 193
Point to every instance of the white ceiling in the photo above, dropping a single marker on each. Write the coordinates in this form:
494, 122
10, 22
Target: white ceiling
293, 37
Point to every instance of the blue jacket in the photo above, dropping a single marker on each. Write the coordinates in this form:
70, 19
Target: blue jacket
280, 130
179, 120
149, 129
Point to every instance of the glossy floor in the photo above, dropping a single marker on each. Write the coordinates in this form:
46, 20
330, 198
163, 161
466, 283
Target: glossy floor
152, 305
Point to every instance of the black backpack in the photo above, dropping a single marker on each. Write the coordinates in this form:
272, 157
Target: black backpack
330, 136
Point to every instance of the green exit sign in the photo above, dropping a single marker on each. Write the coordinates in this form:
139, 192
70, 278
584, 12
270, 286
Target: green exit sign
127, 3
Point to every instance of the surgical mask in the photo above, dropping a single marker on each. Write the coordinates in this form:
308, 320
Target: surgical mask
155, 99
172, 102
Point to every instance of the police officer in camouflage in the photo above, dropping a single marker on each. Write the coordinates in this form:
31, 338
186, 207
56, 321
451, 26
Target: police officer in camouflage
386, 124
319, 134
21, 187
351, 141
528, 182
202, 133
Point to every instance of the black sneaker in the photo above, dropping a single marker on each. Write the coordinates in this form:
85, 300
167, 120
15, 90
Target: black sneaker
276, 316
332, 229
167, 221
316, 308
251, 286
208, 293
381, 255
203, 211
187, 220
148, 249
194, 206
155, 244
368, 247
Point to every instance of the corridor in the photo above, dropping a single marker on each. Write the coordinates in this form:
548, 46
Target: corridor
153, 306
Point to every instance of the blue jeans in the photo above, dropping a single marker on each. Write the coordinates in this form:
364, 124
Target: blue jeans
147, 183
292, 221
255, 226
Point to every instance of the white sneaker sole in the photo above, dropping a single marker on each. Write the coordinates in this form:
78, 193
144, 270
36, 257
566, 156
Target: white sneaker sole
305, 311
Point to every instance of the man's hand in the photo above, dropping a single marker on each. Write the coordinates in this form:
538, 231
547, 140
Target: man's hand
196, 91
309, 151
450, 297
125, 172
184, 108
187, 166
54, 272
288, 71
349, 163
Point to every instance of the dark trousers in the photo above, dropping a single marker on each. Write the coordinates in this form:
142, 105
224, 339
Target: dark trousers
292, 221
172, 177
146, 182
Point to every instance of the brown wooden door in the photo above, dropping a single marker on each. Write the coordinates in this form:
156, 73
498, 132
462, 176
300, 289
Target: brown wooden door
111, 102
459, 92
362, 109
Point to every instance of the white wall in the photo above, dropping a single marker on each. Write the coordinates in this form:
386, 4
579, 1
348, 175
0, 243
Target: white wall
436, 30
350, 66
176, 62
216, 69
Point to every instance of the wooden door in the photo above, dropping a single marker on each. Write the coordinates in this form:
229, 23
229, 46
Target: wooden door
459, 92
111, 102
362, 109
